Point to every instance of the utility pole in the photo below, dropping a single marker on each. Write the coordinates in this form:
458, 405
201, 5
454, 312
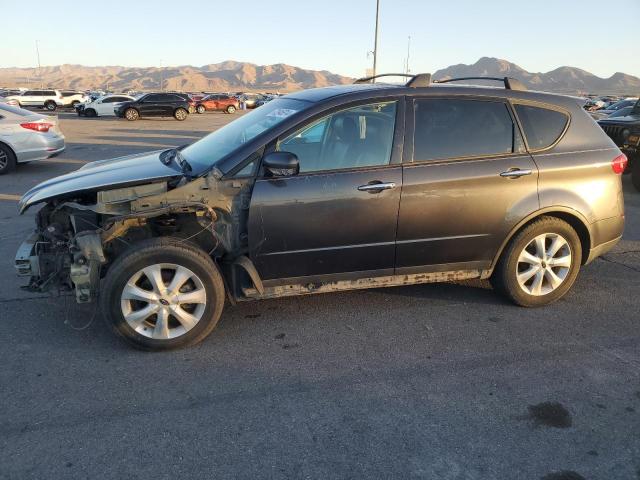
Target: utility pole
375, 43
161, 78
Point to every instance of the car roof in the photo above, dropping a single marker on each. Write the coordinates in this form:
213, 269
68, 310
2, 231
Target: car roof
364, 90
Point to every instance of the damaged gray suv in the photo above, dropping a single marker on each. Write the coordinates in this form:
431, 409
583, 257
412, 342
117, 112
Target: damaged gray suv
358, 186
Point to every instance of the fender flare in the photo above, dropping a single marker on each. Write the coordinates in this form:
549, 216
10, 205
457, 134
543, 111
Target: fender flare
566, 211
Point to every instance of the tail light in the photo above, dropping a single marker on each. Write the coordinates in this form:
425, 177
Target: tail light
37, 126
619, 163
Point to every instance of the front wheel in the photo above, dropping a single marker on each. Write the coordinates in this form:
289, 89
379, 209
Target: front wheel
131, 114
200, 109
180, 114
540, 264
163, 293
231, 109
51, 106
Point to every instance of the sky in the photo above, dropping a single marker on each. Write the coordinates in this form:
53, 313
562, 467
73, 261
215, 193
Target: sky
334, 35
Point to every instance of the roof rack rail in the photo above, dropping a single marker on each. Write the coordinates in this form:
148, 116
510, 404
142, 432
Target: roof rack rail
415, 81
509, 83
369, 79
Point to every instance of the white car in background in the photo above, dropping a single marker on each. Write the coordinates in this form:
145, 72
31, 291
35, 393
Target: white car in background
49, 99
102, 106
72, 98
26, 136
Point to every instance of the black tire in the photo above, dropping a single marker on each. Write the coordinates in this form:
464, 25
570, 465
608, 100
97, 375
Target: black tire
505, 275
74, 103
180, 114
162, 251
201, 109
50, 105
90, 112
635, 173
131, 114
231, 109
7, 159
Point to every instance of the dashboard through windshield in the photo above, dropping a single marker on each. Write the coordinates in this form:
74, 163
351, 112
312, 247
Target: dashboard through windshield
209, 150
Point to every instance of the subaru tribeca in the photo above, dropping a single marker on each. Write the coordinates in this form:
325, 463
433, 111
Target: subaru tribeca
338, 188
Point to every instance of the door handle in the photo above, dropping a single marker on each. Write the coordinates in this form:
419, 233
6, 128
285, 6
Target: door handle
377, 187
515, 173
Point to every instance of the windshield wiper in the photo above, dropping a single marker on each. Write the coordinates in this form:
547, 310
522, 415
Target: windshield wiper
172, 154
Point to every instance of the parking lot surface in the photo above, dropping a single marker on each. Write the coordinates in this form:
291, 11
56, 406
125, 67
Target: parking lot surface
435, 381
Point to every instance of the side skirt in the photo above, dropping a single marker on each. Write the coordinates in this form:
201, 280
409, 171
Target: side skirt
279, 291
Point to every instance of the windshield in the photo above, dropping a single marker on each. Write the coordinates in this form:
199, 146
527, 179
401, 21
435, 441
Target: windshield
212, 148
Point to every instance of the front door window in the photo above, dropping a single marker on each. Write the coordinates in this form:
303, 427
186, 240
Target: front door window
357, 137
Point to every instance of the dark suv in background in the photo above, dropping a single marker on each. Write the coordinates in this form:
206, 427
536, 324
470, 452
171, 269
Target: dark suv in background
338, 188
625, 132
155, 105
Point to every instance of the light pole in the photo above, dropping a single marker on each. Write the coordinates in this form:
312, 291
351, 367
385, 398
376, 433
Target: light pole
375, 43
161, 78
38, 55
408, 53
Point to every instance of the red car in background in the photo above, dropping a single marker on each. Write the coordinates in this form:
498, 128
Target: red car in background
218, 102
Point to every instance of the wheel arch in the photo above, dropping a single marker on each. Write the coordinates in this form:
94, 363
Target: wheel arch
574, 218
11, 149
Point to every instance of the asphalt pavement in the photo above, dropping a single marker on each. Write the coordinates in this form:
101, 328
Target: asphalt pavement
438, 382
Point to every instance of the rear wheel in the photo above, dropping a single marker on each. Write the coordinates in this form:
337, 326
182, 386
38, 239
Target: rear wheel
7, 160
90, 112
201, 109
74, 103
540, 264
231, 109
50, 105
180, 114
163, 294
131, 114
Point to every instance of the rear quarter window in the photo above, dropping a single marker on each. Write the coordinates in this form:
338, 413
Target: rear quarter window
542, 126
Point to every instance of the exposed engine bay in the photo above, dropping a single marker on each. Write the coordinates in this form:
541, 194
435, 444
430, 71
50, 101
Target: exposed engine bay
79, 235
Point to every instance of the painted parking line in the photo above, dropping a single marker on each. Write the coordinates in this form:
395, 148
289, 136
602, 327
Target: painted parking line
8, 197
62, 160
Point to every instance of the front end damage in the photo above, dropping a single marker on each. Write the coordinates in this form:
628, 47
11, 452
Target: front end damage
77, 236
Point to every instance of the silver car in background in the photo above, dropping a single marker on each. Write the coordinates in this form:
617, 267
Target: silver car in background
27, 136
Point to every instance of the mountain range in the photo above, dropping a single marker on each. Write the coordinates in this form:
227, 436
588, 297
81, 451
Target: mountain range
232, 76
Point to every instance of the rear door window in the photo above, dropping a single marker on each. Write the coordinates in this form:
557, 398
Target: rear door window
457, 128
542, 126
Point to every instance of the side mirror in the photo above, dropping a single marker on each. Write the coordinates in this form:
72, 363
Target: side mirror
281, 164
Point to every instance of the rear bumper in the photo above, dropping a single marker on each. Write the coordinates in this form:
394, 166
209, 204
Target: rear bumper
605, 234
41, 147
602, 249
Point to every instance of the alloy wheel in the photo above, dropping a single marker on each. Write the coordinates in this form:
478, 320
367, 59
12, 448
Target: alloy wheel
163, 301
544, 264
4, 160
